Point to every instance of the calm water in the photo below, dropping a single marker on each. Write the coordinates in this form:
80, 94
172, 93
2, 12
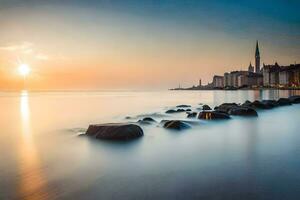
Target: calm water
42, 156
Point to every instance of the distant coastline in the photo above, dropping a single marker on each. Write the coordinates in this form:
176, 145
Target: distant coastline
232, 88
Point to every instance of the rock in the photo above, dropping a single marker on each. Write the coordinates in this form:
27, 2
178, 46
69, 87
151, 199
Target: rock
171, 111
177, 111
206, 107
176, 124
247, 103
211, 115
260, 105
243, 111
180, 110
146, 120
284, 102
115, 131
183, 106
270, 103
295, 99
188, 110
225, 107
192, 115
149, 119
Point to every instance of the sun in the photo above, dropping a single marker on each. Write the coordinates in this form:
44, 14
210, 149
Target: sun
24, 69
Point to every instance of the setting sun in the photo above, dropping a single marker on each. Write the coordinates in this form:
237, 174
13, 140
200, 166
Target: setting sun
24, 69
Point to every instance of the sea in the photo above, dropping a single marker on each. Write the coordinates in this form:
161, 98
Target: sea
44, 153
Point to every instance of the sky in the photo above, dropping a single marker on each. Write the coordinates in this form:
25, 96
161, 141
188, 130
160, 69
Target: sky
135, 44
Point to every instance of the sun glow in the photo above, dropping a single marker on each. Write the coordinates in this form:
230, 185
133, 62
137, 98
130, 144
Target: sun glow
24, 69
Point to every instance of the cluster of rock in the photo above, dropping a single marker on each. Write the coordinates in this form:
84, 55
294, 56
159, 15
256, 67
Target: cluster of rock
120, 131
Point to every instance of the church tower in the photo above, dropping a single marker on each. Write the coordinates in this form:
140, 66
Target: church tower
257, 58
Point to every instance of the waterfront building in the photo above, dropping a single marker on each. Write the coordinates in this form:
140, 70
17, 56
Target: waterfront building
226, 79
218, 81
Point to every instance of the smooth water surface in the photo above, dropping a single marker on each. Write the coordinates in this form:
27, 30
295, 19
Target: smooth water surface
43, 156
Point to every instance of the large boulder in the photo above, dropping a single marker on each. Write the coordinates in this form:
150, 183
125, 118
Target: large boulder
114, 131
176, 124
284, 102
211, 115
243, 111
295, 99
206, 107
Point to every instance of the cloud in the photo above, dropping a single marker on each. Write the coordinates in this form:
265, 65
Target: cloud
25, 47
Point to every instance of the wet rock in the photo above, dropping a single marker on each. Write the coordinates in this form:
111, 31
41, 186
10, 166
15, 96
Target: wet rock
177, 111
171, 111
188, 110
243, 111
260, 105
211, 115
270, 103
206, 107
183, 106
176, 124
247, 103
146, 120
192, 115
114, 131
295, 99
284, 102
225, 107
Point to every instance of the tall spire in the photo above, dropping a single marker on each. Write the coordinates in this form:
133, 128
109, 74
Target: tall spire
257, 49
257, 58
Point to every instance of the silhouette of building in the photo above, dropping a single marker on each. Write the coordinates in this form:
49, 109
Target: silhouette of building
257, 59
250, 68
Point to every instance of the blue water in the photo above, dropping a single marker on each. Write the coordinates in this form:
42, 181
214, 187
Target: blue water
43, 156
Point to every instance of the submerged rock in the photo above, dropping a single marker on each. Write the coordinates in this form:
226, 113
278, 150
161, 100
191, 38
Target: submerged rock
284, 102
183, 106
177, 111
243, 111
176, 124
115, 131
295, 99
146, 120
211, 115
206, 107
192, 115
171, 111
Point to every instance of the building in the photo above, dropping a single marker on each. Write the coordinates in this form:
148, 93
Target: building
281, 76
218, 81
257, 59
250, 68
254, 80
226, 79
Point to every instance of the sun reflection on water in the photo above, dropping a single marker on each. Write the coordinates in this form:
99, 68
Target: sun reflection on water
32, 183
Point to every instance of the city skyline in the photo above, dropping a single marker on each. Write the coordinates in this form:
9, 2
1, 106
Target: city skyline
125, 44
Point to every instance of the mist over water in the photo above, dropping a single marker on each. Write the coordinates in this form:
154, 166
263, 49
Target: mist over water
43, 156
